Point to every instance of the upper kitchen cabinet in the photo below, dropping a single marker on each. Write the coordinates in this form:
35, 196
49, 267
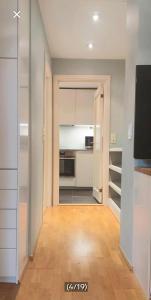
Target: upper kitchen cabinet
8, 29
8, 113
67, 106
76, 106
84, 107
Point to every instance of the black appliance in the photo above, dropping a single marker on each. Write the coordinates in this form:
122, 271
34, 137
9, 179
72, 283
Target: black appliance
142, 132
89, 142
67, 164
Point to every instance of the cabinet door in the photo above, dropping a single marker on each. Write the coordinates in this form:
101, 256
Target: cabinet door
67, 106
8, 28
84, 107
84, 169
8, 113
8, 263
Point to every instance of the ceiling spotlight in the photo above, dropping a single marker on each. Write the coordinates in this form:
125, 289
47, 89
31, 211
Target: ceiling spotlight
90, 46
95, 17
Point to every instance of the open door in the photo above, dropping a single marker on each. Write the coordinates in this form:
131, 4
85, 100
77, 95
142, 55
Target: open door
98, 145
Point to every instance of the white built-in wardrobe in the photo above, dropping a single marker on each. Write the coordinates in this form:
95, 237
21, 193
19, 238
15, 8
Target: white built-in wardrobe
14, 138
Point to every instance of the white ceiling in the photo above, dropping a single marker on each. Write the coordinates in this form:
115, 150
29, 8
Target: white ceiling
69, 28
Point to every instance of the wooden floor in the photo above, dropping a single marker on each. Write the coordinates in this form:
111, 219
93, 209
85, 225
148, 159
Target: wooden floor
78, 244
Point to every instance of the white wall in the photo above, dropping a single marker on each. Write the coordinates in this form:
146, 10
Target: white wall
38, 49
73, 137
139, 52
115, 68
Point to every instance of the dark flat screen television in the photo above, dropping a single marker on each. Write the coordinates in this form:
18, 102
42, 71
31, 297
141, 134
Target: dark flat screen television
142, 131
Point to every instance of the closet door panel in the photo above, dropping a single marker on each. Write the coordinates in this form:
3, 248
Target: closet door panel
8, 113
8, 29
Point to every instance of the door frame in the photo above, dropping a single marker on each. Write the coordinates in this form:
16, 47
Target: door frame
47, 135
104, 80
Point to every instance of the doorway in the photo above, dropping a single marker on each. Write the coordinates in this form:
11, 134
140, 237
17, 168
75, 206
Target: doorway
63, 161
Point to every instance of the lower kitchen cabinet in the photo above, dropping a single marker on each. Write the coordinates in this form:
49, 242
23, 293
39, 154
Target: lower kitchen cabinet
8, 263
84, 169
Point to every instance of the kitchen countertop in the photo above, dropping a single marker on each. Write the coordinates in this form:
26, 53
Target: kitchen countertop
146, 171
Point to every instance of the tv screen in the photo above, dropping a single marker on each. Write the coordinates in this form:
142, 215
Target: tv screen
142, 132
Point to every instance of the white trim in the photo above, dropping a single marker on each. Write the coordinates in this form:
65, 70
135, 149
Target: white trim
8, 280
47, 136
115, 209
102, 80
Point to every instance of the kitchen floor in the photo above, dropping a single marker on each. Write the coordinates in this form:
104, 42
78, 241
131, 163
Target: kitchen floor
76, 196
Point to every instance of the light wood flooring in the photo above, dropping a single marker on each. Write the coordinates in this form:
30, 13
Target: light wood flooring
78, 244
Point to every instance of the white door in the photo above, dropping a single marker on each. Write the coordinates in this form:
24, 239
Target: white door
98, 145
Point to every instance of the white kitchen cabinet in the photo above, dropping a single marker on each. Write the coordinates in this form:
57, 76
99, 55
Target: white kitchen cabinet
8, 239
84, 107
67, 106
84, 169
8, 265
8, 219
8, 113
8, 29
142, 230
8, 198
76, 106
8, 179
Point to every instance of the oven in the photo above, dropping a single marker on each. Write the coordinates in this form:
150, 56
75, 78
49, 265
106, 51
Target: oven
67, 165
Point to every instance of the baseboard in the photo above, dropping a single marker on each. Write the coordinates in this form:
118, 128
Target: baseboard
23, 272
8, 280
126, 260
31, 256
114, 208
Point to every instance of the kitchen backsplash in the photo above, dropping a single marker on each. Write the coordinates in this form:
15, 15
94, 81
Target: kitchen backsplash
73, 137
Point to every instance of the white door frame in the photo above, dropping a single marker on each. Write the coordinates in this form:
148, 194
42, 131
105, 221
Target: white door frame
47, 136
100, 80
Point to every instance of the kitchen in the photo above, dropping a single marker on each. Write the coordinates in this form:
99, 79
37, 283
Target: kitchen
76, 138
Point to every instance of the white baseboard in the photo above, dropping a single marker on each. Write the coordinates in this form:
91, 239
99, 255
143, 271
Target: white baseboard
115, 209
8, 280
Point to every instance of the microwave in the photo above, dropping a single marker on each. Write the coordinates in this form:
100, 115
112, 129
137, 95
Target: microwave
89, 142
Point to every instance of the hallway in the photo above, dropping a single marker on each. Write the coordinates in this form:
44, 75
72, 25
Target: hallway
79, 244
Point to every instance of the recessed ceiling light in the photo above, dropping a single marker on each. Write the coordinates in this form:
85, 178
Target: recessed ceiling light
90, 46
95, 17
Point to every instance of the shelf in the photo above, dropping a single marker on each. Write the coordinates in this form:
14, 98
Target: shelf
115, 149
115, 187
115, 168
